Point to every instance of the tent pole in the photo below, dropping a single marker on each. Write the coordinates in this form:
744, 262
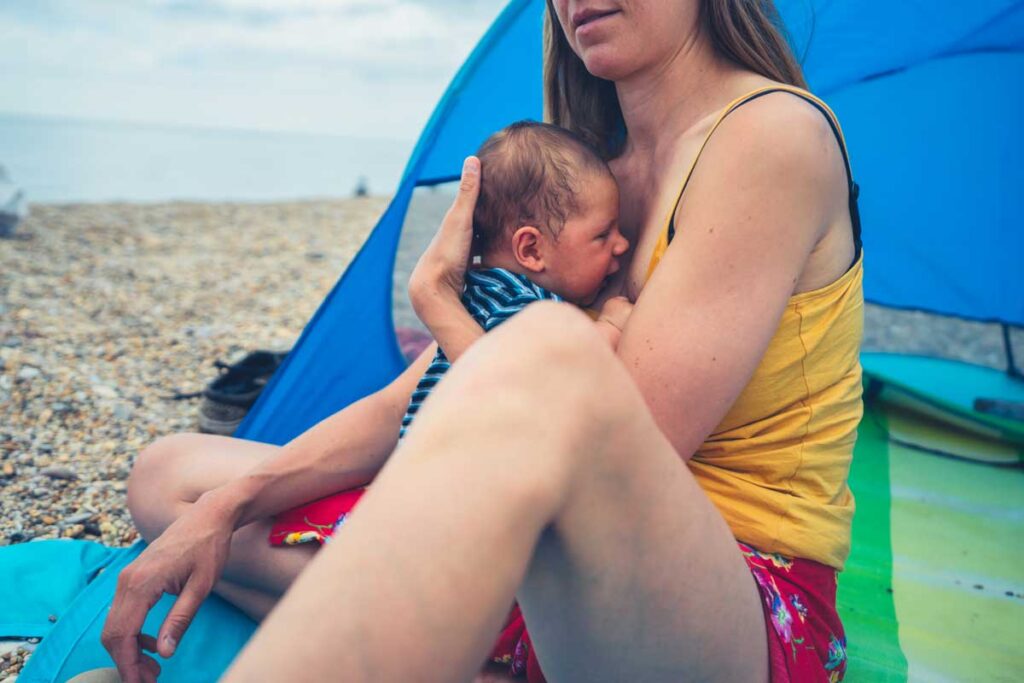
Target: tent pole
1011, 366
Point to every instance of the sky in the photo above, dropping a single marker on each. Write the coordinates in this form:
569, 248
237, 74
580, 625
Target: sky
367, 68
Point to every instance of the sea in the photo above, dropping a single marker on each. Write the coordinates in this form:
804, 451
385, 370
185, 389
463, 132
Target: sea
57, 160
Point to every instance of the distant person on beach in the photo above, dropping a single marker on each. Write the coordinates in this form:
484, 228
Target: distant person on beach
674, 509
546, 229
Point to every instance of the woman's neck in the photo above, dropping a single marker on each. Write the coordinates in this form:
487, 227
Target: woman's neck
662, 102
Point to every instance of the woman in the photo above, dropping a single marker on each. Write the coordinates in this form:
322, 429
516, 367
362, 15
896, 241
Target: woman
564, 489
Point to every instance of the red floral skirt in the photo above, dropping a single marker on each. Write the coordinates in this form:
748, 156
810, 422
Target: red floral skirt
806, 643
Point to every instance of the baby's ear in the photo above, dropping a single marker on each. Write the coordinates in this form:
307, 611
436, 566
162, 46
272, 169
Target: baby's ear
528, 248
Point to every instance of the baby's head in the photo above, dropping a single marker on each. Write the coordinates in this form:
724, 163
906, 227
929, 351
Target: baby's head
548, 209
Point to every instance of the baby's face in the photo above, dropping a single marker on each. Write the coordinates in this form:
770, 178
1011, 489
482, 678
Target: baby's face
588, 248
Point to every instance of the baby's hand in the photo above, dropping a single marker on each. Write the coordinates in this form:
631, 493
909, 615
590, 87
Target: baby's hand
615, 311
612, 317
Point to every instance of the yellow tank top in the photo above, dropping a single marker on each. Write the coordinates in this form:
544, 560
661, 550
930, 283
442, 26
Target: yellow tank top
777, 464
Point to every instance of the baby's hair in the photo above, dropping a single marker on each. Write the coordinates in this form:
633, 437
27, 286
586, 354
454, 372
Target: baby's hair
530, 174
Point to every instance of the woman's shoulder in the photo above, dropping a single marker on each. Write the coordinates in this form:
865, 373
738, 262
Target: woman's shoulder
780, 126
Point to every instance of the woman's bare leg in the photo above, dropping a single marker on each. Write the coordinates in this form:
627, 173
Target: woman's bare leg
535, 471
174, 471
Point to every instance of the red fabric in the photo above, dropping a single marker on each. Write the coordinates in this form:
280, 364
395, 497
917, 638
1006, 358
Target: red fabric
316, 521
806, 643
514, 649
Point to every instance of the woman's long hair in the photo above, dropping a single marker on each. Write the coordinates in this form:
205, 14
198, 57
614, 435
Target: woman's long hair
745, 31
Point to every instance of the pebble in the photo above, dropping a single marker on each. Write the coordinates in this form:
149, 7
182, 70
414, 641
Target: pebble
79, 518
58, 472
103, 391
28, 372
73, 531
98, 305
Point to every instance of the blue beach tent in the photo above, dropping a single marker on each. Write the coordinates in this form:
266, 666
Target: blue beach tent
931, 97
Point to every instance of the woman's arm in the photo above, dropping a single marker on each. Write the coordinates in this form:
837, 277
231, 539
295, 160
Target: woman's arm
345, 450
766, 188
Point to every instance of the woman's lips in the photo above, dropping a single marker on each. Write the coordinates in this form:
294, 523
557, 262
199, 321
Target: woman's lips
586, 21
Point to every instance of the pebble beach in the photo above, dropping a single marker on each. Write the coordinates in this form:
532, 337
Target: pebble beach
107, 310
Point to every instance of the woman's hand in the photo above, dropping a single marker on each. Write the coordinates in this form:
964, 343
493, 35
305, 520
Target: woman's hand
436, 283
186, 560
441, 270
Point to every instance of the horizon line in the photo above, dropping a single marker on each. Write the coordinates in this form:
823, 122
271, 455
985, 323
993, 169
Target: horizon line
100, 121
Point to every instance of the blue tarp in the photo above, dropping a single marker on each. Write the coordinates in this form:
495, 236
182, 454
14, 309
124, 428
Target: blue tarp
72, 583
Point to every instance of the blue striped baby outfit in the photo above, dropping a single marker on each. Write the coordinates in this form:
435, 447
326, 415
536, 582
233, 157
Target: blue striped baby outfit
492, 296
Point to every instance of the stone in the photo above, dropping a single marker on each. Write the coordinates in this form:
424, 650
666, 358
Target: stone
73, 531
79, 518
58, 472
28, 372
104, 391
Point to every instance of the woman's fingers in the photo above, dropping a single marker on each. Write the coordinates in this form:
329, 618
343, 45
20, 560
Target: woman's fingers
459, 219
180, 617
150, 668
442, 267
147, 642
456, 231
132, 601
469, 185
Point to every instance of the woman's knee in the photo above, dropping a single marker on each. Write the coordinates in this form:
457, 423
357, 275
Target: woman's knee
556, 329
154, 485
550, 344
542, 380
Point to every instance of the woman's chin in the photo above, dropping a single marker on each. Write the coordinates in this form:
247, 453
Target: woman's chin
603, 61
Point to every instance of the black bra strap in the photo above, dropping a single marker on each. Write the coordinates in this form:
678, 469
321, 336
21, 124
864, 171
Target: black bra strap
854, 188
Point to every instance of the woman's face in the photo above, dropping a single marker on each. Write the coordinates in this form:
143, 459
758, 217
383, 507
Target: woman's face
616, 38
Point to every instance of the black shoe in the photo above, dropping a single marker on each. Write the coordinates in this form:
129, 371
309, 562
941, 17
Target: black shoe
228, 398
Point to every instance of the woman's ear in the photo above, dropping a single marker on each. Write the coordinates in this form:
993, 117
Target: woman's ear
528, 248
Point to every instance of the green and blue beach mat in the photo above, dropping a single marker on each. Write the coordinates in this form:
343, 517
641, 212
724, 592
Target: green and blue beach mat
933, 589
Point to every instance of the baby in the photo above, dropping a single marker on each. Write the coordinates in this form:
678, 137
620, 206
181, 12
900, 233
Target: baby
545, 226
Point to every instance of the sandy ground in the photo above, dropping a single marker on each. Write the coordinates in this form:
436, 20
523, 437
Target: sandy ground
108, 309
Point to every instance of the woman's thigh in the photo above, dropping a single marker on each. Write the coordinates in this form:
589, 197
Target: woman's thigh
637, 577
173, 472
